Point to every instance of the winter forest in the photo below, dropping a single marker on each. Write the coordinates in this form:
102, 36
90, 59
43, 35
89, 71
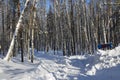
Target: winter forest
61, 27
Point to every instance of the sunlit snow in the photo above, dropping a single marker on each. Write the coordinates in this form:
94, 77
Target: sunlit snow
104, 65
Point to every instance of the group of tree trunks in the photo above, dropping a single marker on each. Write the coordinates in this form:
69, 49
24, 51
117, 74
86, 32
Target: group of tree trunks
74, 27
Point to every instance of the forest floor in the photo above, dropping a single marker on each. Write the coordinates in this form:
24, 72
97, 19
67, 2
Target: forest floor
104, 65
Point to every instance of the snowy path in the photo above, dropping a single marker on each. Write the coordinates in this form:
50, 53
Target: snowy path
100, 66
54, 69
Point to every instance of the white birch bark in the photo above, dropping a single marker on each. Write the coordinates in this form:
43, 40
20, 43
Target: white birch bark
85, 25
32, 44
9, 53
104, 32
28, 43
32, 41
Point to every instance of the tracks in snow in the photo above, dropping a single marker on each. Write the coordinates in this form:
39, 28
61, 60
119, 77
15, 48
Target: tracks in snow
57, 69
51, 68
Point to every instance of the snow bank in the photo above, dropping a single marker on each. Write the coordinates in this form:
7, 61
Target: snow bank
100, 66
106, 65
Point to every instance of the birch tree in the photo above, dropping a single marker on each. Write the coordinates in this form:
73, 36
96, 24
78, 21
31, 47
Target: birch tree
9, 53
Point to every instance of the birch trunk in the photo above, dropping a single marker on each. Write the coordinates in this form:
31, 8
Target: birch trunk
32, 41
85, 25
32, 55
9, 53
3, 30
28, 43
104, 32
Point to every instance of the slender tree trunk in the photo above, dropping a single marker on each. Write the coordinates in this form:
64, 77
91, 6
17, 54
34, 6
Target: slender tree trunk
33, 27
21, 46
3, 37
9, 53
32, 44
28, 43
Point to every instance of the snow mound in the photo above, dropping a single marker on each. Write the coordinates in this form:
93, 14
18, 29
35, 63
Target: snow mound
105, 61
92, 65
109, 58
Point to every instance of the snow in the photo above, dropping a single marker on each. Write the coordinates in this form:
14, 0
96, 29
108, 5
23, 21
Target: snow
104, 65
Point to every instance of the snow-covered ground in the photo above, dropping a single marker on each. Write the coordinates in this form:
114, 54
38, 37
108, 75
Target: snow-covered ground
104, 65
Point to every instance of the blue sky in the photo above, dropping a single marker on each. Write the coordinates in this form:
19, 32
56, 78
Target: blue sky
87, 1
48, 3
